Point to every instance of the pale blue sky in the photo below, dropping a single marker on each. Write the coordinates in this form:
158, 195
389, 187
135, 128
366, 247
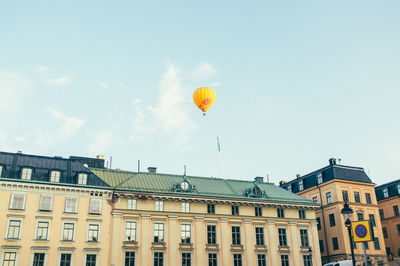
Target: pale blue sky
297, 82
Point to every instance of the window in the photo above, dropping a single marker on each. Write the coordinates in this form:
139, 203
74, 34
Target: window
398, 229
345, 196
396, 210
319, 178
318, 223
14, 227
360, 216
185, 206
1, 170
82, 179
335, 243
282, 237
90, 259
26, 173
65, 260
38, 259
302, 214
68, 232
158, 258
329, 198
159, 205
93, 233
398, 186
304, 237
9, 258
211, 234
376, 243
321, 246
260, 236
131, 204
398, 253
46, 203
235, 210
95, 206
384, 231
186, 259
357, 197
372, 219
365, 244
235, 235
17, 201
315, 199
212, 259
130, 231
71, 205
381, 214
129, 258
42, 230
261, 260
185, 233
301, 185
284, 260
281, 213
388, 251
211, 208
55, 176
237, 259
258, 211
158, 233
385, 193
332, 220
307, 260
289, 188
368, 198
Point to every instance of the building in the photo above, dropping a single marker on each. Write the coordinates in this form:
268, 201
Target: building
388, 196
330, 187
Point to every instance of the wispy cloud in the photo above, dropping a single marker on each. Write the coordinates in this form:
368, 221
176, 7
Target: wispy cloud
59, 81
103, 85
101, 142
13, 88
122, 85
42, 71
203, 72
139, 127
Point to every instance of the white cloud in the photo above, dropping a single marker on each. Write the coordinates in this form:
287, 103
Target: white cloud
103, 85
101, 142
122, 85
42, 71
139, 127
13, 88
203, 71
59, 81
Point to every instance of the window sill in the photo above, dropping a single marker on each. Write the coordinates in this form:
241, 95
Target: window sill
212, 247
130, 242
41, 240
18, 210
158, 246
12, 239
46, 211
237, 248
67, 241
92, 242
92, 213
70, 213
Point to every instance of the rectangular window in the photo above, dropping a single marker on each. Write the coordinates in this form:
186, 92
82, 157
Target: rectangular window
398, 229
211, 208
384, 231
186, 261
260, 236
159, 205
82, 179
345, 195
211, 234
332, 220
385, 193
307, 260
329, 198
46, 203
368, 198
321, 246
235, 210
381, 214
302, 214
237, 259
158, 258
14, 227
360, 216
236, 235
95, 206
357, 197
158, 233
71, 205
282, 237
318, 223
301, 185
38, 259
42, 230
258, 211
335, 243
68, 232
376, 243
130, 231
398, 253
186, 233
261, 260
281, 213
396, 210
366, 245
398, 188
9, 258
315, 199
185, 206
131, 204
289, 188
93, 233
372, 219
129, 258
55, 176
304, 237
1, 170
26, 173
284, 260
65, 260
90, 259
212, 259
17, 201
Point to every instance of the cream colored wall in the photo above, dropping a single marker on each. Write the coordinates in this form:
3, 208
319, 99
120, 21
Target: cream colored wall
390, 223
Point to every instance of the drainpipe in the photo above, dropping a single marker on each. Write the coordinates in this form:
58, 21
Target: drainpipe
323, 218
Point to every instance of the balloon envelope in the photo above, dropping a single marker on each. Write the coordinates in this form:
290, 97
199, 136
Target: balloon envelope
204, 98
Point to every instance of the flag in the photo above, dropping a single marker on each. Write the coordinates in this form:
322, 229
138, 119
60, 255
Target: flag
219, 146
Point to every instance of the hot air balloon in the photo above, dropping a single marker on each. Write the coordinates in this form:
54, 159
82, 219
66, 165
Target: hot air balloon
204, 98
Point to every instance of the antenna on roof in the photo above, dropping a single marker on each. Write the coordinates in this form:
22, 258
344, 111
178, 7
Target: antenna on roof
339, 160
110, 161
184, 171
138, 165
267, 178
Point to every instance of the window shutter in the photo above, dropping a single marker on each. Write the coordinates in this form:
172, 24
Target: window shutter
45, 203
95, 206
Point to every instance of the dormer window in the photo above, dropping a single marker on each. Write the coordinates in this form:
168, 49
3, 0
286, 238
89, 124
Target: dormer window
319, 178
301, 185
1, 170
26, 173
398, 189
82, 179
289, 188
385, 193
55, 176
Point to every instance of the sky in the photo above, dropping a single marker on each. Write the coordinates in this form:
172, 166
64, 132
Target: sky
296, 82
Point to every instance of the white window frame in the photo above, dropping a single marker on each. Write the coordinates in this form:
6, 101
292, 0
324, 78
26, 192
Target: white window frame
76, 205
385, 193
398, 189
90, 253
185, 207
55, 176
301, 185
60, 252
1, 169
163, 231
319, 178
94, 202
26, 173
48, 229
132, 239
159, 205
82, 178
289, 187
98, 232
73, 232
315, 199
41, 208
132, 204
329, 199
19, 229
184, 226
3, 254
39, 250
13, 199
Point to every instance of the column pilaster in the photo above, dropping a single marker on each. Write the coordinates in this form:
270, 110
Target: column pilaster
273, 243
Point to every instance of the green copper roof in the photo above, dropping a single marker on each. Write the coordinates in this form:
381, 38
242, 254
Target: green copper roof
205, 186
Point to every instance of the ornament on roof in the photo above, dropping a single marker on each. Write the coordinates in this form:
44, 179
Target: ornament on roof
255, 191
184, 186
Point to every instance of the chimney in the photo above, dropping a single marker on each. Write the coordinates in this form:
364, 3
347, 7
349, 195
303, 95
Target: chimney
282, 182
332, 161
152, 169
259, 179
101, 157
298, 175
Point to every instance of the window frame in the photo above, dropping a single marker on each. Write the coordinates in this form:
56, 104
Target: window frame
186, 258
345, 196
42, 202
158, 227
11, 220
89, 233
92, 206
280, 212
368, 198
12, 200
26, 173
158, 257
55, 176
129, 263
69, 261
47, 230
132, 204
159, 205
282, 237
237, 259
335, 243
211, 208
396, 210
385, 193
258, 211
211, 234
82, 178
259, 236
185, 207
63, 230
130, 233
185, 233
68, 198
236, 235
235, 210
4, 254
302, 214
304, 239
328, 197
357, 197
212, 259
332, 221
86, 255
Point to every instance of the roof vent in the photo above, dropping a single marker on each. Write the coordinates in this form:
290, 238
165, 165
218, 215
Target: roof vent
152, 169
259, 179
19, 152
332, 161
298, 175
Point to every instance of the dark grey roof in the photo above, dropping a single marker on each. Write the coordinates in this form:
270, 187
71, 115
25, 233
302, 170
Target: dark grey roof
13, 163
392, 187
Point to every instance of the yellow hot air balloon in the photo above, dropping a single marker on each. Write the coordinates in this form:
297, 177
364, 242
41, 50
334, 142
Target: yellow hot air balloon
204, 98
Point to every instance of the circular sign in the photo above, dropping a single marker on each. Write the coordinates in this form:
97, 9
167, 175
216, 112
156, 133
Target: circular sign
361, 231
